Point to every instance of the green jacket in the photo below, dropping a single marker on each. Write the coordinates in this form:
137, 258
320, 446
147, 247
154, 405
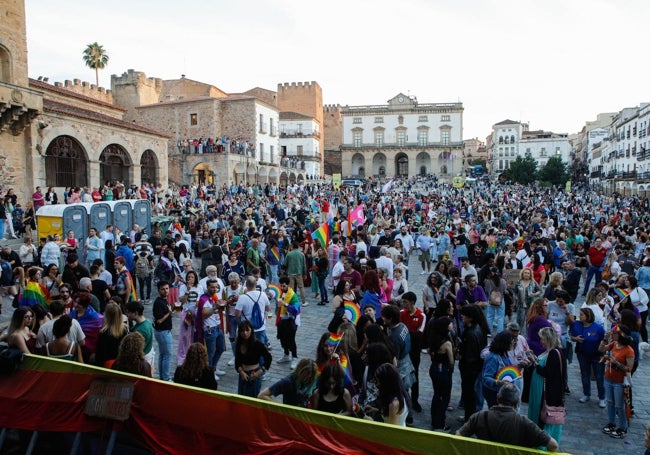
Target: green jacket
294, 261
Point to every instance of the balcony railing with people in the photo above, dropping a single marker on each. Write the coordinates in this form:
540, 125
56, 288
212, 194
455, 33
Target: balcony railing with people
299, 134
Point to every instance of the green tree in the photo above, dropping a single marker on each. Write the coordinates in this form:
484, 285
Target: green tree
96, 58
522, 170
554, 171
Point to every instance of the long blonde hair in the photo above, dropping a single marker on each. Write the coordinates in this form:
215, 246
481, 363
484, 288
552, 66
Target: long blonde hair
112, 323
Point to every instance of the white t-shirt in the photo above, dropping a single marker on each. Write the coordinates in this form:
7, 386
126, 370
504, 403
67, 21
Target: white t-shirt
245, 305
45, 335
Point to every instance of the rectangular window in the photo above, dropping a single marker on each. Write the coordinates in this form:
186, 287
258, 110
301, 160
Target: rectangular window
379, 138
261, 152
379, 119
194, 119
557, 150
357, 139
401, 138
445, 137
423, 118
299, 150
542, 151
423, 138
356, 119
445, 118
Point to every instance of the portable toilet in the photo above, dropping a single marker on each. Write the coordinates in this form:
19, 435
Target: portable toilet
61, 218
142, 214
99, 216
122, 215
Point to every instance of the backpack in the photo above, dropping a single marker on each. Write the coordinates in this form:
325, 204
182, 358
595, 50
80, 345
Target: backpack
7, 276
142, 267
257, 320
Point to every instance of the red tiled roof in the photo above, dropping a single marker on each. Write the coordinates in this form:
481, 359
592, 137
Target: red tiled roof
73, 111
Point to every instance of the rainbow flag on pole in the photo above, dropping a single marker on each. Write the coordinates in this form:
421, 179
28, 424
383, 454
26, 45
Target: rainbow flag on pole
322, 234
276, 253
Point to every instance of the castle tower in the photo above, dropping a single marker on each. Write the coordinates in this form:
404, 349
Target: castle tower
304, 98
13, 43
333, 132
133, 89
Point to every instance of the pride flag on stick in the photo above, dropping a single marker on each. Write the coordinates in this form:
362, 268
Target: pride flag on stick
322, 234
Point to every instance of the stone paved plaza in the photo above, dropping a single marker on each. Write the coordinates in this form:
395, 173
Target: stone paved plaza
582, 432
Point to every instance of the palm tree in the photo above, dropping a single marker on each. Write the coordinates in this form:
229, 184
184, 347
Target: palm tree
95, 57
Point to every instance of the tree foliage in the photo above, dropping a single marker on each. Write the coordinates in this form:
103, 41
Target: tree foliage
96, 58
554, 171
522, 170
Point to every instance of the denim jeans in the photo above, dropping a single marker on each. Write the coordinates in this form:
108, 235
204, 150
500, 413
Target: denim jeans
2, 229
250, 388
164, 340
274, 273
591, 271
587, 361
233, 322
498, 313
214, 343
261, 336
145, 284
441, 379
322, 288
615, 404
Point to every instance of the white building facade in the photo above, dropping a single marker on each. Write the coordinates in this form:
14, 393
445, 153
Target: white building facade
299, 143
402, 139
504, 146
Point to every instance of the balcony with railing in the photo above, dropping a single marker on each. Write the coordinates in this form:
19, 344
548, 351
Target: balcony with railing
300, 134
404, 145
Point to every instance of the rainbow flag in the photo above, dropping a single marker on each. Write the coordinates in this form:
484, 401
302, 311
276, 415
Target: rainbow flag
347, 380
322, 234
293, 304
622, 293
334, 339
35, 293
356, 216
276, 253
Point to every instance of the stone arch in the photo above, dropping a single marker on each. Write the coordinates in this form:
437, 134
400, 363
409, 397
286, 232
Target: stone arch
379, 164
444, 162
358, 163
148, 167
6, 65
263, 175
66, 163
115, 164
292, 178
251, 174
284, 179
401, 165
301, 178
423, 161
203, 173
273, 176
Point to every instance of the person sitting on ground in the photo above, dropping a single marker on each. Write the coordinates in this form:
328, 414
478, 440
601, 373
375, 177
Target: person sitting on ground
502, 423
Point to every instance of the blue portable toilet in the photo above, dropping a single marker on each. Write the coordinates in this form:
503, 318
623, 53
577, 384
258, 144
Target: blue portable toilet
122, 215
99, 216
142, 214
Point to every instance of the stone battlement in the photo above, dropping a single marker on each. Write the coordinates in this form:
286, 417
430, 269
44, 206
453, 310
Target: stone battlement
82, 88
293, 85
132, 77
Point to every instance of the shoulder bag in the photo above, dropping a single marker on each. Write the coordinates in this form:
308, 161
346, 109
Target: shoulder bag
553, 415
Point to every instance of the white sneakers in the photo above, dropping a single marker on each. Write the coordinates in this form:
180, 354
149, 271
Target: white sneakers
219, 372
602, 404
584, 399
294, 362
285, 359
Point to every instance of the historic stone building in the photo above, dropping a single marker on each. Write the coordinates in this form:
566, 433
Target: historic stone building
333, 137
65, 134
403, 138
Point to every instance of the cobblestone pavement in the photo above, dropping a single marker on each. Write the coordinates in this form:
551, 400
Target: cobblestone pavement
582, 432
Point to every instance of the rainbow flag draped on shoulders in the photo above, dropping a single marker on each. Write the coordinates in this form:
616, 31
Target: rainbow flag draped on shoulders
35, 293
133, 296
293, 304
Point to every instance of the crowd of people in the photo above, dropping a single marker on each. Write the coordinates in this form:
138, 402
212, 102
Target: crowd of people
506, 268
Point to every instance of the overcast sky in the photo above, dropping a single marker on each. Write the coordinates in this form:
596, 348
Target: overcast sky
553, 63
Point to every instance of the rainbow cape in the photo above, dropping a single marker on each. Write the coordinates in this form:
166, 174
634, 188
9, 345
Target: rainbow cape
293, 304
322, 234
35, 293
352, 311
133, 296
509, 373
275, 253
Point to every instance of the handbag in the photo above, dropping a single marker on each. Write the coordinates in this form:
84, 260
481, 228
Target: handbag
495, 298
553, 415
